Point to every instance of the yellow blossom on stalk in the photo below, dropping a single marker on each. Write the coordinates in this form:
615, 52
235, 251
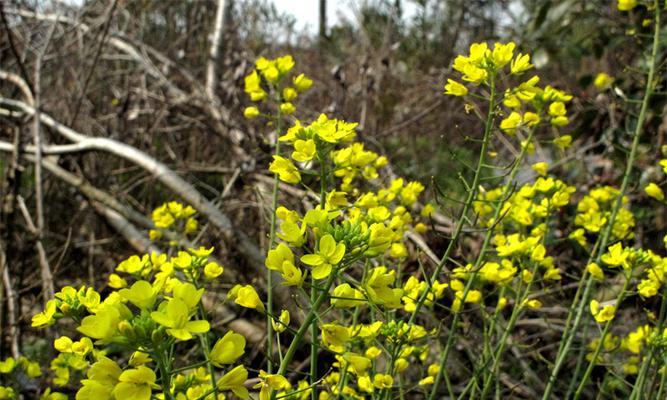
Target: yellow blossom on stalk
616, 256
228, 349
520, 64
377, 287
253, 87
603, 314
270, 383
533, 304
251, 112
327, 254
335, 336
286, 171
654, 191
282, 323
345, 296
102, 379
563, 142
603, 81
246, 296
103, 325
455, 89
289, 94
302, 83
541, 168
626, 5
636, 339
304, 150
135, 384
511, 123
287, 108
142, 294
234, 380
502, 54
595, 271
174, 315
46, 317
116, 282
213, 270
383, 381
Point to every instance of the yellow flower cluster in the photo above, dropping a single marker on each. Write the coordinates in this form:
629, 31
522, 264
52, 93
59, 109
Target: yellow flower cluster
173, 216
361, 350
268, 77
148, 317
594, 210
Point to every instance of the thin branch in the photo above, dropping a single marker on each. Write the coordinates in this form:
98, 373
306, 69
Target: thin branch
215, 52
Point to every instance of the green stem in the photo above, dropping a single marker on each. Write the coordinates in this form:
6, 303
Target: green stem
560, 357
638, 388
310, 317
472, 194
497, 355
480, 258
598, 348
165, 374
272, 240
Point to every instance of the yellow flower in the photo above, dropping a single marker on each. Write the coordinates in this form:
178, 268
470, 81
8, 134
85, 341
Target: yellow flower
234, 380
345, 296
103, 325
174, 315
365, 384
246, 296
251, 112
9, 364
455, 89
616, 255
602, 315
283, 321
502, 54
289, 94
533, 304
383, 381
135, 384
626, 5
270, 383
253, 87
328, 254
228, 349
531, 119
292, 276
304, 150
603, 81
509, 124
213, 270
284, 64
286, 171
287, 108
302, 83
595, 271
377, 287
563, 142
188, 294
46, 317
520, 64
116, 282
557, 109
142, 294
654, 191
102, 378
541, 168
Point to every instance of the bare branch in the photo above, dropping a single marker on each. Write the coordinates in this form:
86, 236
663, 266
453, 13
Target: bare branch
215, 52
